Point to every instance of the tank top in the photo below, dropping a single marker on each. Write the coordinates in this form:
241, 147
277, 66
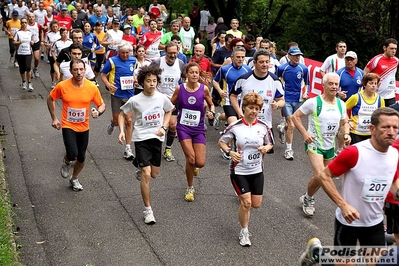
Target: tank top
191, 110
114, 36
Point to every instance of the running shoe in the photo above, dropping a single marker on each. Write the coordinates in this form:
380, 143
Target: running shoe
196, 171
36, 72
53, 83
216, 123
76, 186
138, 174
168, 155
225, 156
24, 85
312, 253
66, 169
16, 64
244, 239
307, 205
210, 121
110, 129
289, 155
189, 196
128, 154
149, 217
42, 56
281, 133
30, 87
11, 59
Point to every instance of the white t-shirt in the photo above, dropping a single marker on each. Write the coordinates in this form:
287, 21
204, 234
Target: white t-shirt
25, 47
148, 114
333, 63
205, 16
65, 70
39, 16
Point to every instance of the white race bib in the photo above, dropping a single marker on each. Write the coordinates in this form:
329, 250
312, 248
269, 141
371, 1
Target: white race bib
329, 128
374, 189
76, 115
190, 117
251, 158
126, 83
152, 117
363, 123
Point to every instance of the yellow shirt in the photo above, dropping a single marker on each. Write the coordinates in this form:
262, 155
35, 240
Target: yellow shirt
13, 26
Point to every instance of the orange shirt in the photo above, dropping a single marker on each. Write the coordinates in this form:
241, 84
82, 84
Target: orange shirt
76, 103
46, 3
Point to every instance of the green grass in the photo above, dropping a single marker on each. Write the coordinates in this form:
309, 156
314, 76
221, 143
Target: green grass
8, 254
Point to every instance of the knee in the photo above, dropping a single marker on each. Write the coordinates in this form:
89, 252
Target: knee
172, 126
199, 163
190, 159
128, 122
246, 204
255, 205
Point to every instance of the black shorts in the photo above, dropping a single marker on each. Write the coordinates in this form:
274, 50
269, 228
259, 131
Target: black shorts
357, 138
36, 46
368, 236
248, 183
75, 144
99, 61
392, 214
229, 111
24, 62
148, 152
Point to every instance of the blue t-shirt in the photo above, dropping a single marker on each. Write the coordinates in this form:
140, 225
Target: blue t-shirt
230, 73
93, 19
348, 83
90, 40
292, 80
121, 75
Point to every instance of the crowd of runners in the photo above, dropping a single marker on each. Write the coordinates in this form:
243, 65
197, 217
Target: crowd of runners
168, 84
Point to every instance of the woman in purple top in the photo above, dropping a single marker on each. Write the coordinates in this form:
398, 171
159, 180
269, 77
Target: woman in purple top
190, 100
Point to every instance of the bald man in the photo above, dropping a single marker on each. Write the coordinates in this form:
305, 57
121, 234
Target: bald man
200, 59
190, 37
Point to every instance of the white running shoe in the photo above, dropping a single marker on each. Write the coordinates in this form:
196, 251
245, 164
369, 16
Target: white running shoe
281, 133
216, 123
110, 129
16, 64
307, 205
76, 186
244, 239
66, 169
24, 87
149, 217
289, 155
128, 154
30, 87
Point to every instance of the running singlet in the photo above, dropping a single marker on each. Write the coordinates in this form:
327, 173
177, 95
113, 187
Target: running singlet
191, 110
170, 76
324, 121
35, 29
76, 103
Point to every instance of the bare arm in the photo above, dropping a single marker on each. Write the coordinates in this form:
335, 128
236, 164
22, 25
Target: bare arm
325, 179
51, 108
296, 118
234, 103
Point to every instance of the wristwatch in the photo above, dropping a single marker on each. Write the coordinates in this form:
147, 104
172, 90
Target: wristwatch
164, 128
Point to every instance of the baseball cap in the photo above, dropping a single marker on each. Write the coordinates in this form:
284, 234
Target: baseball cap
294, 51
351, 54
15, 13
64, 7
127, 26
115, 21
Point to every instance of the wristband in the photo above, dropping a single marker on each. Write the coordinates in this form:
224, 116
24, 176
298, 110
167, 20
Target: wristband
100, 113
164, 128
227, 152
213, 112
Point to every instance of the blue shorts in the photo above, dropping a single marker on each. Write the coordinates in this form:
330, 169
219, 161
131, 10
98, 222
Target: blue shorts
290, 108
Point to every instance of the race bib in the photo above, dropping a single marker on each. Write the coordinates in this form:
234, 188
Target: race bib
152, 117
76, 115
363, 123
251, 158
190, 118
126, 83
374, 189
262, 113
329, 128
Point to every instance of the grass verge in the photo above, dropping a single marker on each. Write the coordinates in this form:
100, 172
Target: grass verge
8, 253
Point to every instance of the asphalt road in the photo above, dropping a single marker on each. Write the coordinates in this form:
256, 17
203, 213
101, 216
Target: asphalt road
103, 224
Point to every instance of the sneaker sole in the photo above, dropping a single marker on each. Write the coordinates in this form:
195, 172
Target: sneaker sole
129, 158
301, 200
150, 223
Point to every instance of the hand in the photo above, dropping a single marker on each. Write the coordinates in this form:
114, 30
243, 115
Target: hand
308, 138
94, 113
235, 156
57, 75
342, 94
56, 124
347, 139
223, 94
349, 213
160, 132
274, 105
265, 149
121, 138
305, 96
209, 114
111, 87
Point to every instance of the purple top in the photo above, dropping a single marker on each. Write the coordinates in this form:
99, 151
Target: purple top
191, 110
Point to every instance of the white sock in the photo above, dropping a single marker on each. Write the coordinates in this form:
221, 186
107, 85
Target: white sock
128, 146
147, 208
244, 230
289, 146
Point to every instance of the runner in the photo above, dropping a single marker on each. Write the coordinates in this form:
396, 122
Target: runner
76, 93
189, 98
